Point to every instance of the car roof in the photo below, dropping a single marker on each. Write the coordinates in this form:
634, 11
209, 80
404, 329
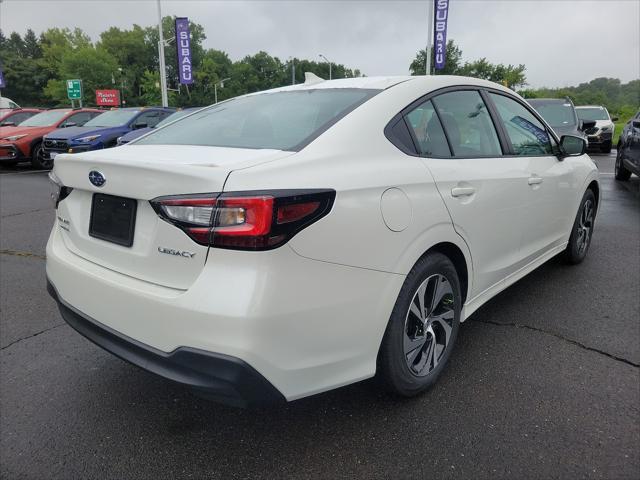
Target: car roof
548, 100
431, 82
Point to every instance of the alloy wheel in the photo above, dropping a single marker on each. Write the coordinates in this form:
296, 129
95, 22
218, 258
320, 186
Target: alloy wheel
45, 163
428, 325
585, 227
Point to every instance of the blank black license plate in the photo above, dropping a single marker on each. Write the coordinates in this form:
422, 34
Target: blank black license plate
113, 219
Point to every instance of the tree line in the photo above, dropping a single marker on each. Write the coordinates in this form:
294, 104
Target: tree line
36, 67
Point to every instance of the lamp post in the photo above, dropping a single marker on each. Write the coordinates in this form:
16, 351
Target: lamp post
122, 100
328, 61
215, 88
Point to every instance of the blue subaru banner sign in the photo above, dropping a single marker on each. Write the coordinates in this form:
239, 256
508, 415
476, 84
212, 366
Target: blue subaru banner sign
183, 46
440, 32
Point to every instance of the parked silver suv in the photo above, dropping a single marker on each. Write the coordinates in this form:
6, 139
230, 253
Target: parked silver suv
601, 135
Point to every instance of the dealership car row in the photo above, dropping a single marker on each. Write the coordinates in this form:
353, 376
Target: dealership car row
37, 135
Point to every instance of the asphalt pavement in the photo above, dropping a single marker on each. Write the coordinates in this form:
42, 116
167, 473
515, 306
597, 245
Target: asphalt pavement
544, 382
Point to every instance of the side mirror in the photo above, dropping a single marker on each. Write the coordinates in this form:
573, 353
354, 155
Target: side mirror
136, 126
573, 146
69, 124
8, 123
614, 119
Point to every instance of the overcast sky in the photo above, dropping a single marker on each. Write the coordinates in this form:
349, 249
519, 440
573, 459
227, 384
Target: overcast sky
562, 42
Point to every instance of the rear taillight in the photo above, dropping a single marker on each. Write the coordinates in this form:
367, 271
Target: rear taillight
245, 220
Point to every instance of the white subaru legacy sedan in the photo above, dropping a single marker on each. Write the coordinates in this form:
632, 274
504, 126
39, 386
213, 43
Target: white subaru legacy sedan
292, 241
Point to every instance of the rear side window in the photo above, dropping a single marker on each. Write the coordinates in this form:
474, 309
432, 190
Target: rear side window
468, 124
150, 119
78, 118
19, 117
528, 136
428, 131
285, 120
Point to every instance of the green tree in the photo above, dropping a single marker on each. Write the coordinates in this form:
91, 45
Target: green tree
94, 66
453, 59
510, 75
134, 56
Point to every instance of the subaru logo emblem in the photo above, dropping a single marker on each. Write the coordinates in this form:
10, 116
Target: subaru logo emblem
96, 178
53, 142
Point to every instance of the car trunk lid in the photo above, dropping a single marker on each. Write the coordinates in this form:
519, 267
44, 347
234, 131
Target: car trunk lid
159, 252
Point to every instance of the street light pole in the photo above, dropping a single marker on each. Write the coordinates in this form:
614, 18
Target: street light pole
329, 62
163, 71
427, 67
215, 88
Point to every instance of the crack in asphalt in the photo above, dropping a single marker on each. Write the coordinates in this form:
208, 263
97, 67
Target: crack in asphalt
24, 213
18, 253
564, 339
32, 335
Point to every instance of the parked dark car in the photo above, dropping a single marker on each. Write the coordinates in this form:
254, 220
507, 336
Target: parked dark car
561, 115
102, 131
132, 135
628, 156
10, 117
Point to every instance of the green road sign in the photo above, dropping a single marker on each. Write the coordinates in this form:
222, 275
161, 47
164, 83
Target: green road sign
74, 89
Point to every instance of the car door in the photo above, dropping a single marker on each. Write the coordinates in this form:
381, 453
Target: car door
551, 186
484, 191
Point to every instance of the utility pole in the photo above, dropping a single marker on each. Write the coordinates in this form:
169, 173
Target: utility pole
329, 62
427, 67
163, 71
293, 72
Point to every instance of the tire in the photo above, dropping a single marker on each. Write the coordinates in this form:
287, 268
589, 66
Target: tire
37, 160
606, 148
582, 230
414, 351
621, 172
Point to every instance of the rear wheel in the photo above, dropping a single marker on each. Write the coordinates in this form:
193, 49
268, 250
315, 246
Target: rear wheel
37, 158
423, 327
580, 238
621, 172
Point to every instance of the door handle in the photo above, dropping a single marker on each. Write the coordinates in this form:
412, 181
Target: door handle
534, 181
462, 191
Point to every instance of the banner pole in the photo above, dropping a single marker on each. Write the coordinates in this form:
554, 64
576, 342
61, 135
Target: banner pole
427, 67
163, 70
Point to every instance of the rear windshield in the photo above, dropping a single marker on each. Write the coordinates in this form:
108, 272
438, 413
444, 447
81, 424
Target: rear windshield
45, 119
281, 120
112, 118
556, 113
592, 113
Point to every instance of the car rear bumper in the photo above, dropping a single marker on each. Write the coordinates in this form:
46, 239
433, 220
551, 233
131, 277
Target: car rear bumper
222, 378
305, 326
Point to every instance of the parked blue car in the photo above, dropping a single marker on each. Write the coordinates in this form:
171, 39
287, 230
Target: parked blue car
126, 138
102, 131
